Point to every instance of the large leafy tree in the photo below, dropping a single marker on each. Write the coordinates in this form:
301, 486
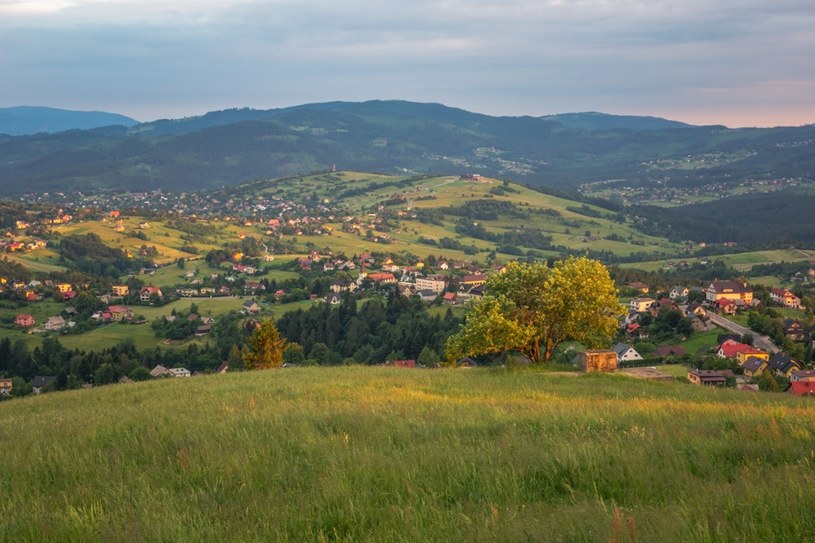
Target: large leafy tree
532, 308
265, 347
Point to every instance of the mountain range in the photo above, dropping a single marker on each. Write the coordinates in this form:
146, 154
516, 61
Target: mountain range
231, 146
28, 120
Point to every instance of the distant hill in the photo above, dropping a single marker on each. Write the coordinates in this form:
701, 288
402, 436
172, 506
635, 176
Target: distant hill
593, 120
231, 146
27, 120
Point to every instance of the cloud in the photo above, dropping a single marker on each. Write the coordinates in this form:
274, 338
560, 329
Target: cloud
153, 57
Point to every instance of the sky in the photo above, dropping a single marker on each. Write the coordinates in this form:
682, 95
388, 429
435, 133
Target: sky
732, 62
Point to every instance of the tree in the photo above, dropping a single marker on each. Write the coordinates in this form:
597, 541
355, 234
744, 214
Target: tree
265, 347
428, 357
532, 308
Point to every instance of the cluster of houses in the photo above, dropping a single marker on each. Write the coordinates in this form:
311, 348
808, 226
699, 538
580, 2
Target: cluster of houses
755, 362
728, 298
113, 313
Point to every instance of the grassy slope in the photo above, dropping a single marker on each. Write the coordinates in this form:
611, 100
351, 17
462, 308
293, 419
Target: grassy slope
739, 261
379, 454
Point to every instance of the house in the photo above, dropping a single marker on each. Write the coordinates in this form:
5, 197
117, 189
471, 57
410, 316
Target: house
436, 283
25, 320
6, 386
253, 286
223, 368
663, 304
709, 377
383, 278
639, 286
678, 292
409, 363
250, 307
333, 299
179, 372
42, 381
726, 306
54, 323
342, 286
640, 305
145, 293
743, 354
597, 361
729, 290
794, 330
119, 313
634, 330
203, 330
802, 375
473, 280
785, 298
64, 287
695, 308
449, 298
783, 364
120, 290
753, 367
626, 353
159, 371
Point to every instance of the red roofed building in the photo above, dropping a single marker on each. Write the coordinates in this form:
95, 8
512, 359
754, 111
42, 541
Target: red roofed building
731, 349
384, 278
25, 320
785, 298
146, 292
120, 312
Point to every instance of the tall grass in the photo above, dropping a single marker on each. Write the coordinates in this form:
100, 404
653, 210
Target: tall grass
381, 454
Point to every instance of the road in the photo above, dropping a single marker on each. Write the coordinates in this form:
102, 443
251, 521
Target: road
762, 342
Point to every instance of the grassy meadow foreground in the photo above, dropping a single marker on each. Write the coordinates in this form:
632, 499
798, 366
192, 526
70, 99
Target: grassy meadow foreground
382, 454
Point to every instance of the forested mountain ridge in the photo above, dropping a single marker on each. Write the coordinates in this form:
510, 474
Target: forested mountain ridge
26, 120
232, 146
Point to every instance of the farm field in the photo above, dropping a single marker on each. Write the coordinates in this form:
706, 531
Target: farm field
384, 454
362, 193
739, 261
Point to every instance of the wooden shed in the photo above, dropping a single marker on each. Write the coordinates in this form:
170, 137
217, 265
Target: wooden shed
597, 360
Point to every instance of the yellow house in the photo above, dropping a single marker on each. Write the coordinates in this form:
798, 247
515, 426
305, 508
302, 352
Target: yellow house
120, 290
640, 304
64, 287
753, 367
729, 290
745, 354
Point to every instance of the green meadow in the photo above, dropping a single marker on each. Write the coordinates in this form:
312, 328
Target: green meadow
383, 454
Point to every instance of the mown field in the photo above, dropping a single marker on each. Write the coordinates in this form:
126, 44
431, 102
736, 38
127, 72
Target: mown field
382, 454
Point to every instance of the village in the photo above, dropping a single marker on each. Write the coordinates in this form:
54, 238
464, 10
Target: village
240, 253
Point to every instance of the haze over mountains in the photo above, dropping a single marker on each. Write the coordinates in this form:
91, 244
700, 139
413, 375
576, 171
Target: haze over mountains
28, 120
232, 146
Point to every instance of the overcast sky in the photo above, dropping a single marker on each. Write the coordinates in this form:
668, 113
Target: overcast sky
732, 62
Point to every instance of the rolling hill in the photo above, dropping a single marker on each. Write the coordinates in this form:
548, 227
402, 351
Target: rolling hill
383, 454
233, 146
27, 120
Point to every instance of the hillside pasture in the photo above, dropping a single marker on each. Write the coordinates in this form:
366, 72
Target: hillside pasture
385, 454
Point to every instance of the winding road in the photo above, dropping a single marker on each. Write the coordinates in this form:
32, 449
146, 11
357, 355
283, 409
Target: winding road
762, 342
